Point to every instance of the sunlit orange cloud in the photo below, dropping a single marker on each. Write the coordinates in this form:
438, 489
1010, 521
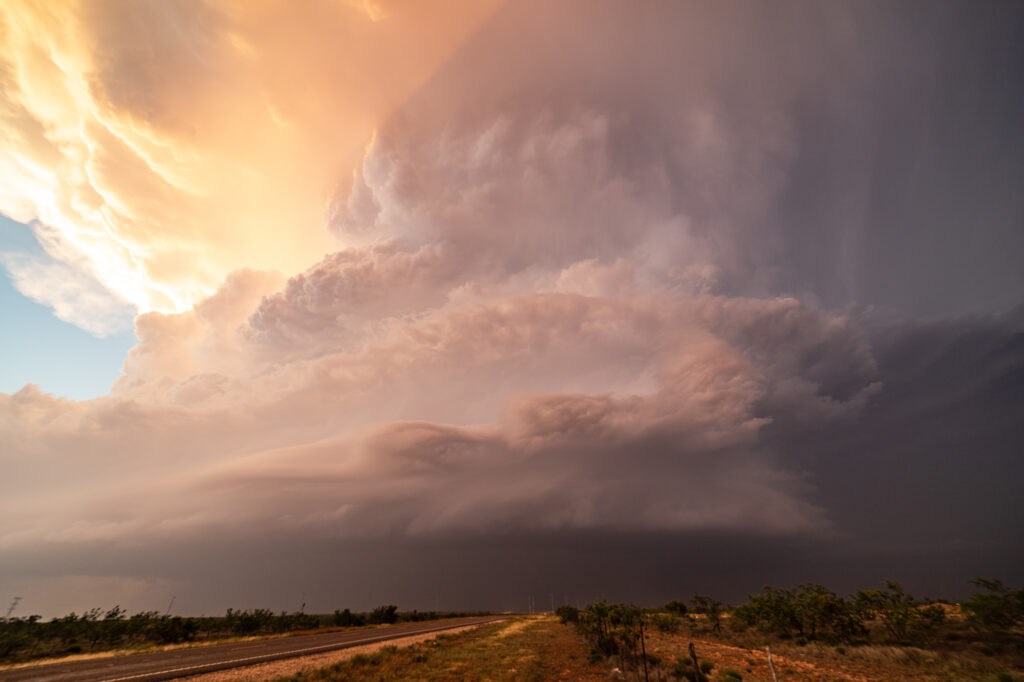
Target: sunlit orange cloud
161, 146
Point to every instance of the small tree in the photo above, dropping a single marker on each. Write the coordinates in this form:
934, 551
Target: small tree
998, 607
383, 614
710, 608
677, 607
568, 614
893, 607
811, 611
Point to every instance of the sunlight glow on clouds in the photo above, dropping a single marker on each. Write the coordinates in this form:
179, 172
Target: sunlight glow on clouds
162, 146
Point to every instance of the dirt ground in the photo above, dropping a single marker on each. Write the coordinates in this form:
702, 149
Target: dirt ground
541, 648
822, 663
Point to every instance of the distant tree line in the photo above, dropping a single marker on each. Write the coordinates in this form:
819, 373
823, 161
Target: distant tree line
28, 638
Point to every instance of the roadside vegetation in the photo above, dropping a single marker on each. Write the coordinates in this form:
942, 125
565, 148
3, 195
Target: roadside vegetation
532, 648
814, 634
28, 638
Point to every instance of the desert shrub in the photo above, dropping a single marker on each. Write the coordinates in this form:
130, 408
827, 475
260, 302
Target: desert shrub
383, 614
683, 668
614, 630
172, 630
665, 622
998, 607
808, 612
772, 611
12, 641
677, 607
568, 614
710, 608
730, 675
893, 607
346, 618
931, 617
362, 660
250, 622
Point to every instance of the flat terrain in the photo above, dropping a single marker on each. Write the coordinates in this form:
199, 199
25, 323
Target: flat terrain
530, 648
176, 663
822, 663
541, 648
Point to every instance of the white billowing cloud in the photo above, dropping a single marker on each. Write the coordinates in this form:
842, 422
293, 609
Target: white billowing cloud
537, 193
161, 147
75, 297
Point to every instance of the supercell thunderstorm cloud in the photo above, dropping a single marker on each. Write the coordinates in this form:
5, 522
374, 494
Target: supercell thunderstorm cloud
450, 303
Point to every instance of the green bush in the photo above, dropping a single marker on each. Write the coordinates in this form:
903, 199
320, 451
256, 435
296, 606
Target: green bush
383, 614
683, 668
677, 607
665, 622
896, 609
568, 614
808, 612
710, 608
998, 607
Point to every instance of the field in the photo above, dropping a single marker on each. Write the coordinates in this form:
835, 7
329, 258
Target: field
542, 648
812, 634
530, 648
746, 656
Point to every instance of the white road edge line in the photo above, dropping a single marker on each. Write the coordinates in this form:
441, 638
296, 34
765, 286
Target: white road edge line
378, 638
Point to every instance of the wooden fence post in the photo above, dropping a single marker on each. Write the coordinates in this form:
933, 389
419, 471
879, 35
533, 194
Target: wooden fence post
643, 649
771, 666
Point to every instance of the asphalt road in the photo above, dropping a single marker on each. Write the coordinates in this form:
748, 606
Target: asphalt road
167, 665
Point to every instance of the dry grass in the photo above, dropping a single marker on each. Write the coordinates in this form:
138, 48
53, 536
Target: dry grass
540, 648
537, 648
820, 662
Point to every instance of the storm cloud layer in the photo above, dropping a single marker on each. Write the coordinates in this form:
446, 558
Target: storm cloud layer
561, 300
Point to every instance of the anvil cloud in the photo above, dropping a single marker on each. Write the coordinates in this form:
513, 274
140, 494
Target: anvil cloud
567, 282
